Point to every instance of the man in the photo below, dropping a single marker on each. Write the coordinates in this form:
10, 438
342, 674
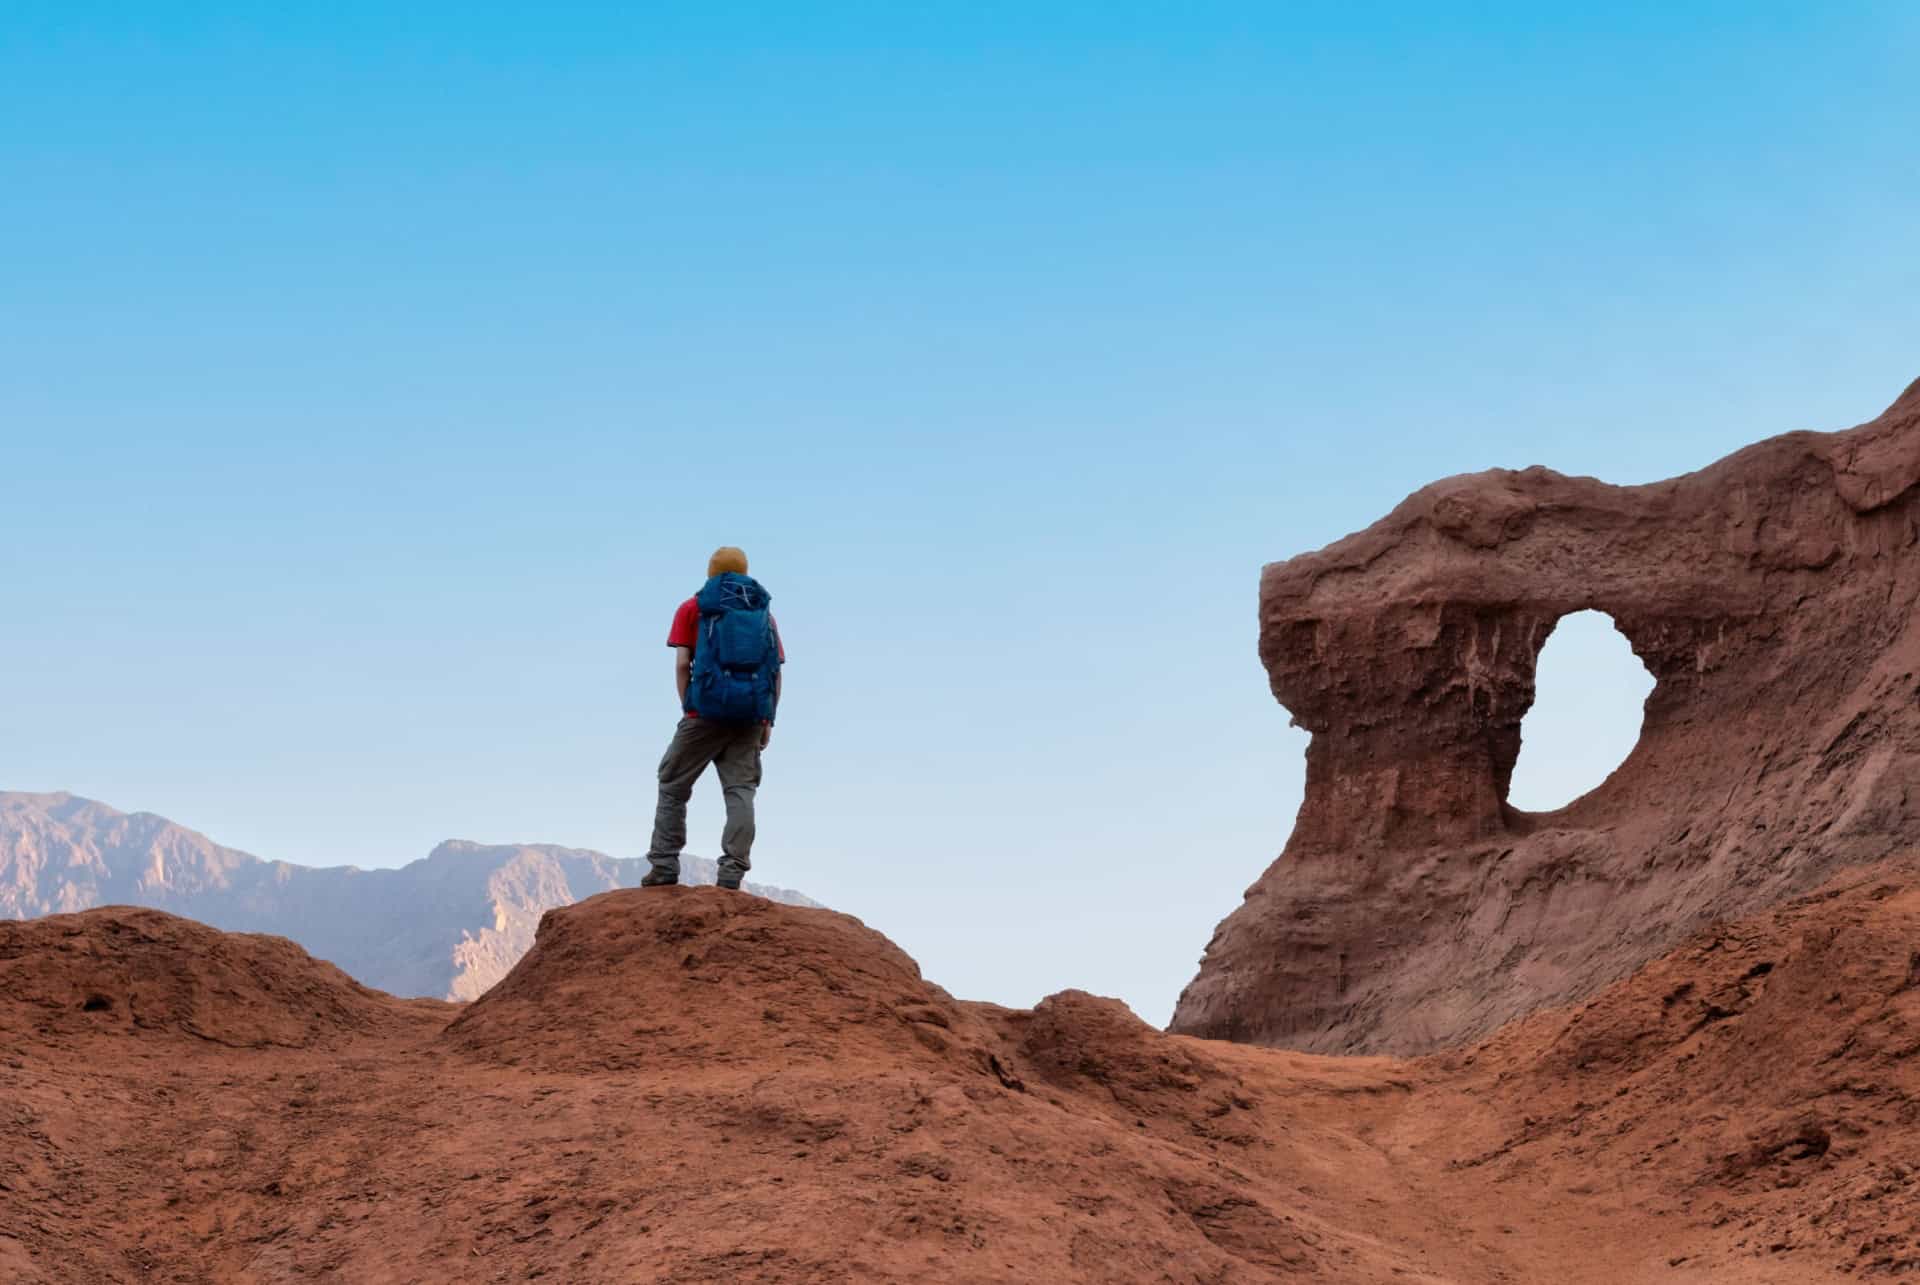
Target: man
727, 658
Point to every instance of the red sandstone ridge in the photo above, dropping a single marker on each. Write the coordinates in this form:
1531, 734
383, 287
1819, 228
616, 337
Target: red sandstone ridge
683, 1085
1772, 595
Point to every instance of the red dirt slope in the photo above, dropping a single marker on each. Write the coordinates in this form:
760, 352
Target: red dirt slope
687, 1085
1760, 1079
125, 970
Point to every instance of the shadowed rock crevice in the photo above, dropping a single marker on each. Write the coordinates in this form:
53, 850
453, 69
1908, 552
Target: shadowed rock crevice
1772, 598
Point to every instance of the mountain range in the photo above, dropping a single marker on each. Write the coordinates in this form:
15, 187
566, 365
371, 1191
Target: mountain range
447, 926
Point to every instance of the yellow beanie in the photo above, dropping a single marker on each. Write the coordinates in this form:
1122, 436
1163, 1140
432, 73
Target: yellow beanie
727, 558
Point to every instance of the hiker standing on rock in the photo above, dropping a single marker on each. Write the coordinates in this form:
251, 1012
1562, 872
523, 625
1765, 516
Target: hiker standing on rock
726, 666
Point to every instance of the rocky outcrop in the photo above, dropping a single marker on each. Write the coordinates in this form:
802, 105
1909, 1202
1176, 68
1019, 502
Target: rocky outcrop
1771, 595
149, 976
448, 926
686, 1085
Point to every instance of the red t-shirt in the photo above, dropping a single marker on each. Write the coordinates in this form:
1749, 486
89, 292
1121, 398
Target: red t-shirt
686, 632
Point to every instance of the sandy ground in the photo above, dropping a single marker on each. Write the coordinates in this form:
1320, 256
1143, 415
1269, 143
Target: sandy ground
687, 1085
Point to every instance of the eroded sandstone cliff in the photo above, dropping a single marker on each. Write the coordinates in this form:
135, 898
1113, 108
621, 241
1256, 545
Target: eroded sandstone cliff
1772, 597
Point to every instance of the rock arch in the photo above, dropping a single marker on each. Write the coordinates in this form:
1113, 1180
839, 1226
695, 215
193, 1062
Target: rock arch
1772, 596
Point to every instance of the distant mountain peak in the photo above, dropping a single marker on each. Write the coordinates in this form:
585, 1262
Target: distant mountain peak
448, 925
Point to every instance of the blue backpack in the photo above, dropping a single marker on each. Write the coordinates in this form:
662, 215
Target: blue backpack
737, 659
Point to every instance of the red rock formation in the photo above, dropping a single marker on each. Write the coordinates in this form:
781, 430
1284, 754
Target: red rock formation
683, 1085
143, 973
1771, 595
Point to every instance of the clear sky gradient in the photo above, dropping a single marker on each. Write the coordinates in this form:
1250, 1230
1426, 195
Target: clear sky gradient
375, 379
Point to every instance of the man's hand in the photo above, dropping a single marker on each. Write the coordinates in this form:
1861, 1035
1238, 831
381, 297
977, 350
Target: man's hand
766, 735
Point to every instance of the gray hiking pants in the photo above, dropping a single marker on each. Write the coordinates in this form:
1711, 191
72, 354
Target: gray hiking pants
734, 750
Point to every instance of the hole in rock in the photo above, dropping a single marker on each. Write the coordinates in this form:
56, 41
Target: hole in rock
97, 1004
1590, 694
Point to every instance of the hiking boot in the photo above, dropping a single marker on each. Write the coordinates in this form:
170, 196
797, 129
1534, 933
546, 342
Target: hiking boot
731, 885
658, 879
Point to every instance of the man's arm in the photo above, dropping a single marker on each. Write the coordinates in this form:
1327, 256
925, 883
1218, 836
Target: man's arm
682, 672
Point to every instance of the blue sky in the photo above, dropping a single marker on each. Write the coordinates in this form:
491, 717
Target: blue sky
374, 381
